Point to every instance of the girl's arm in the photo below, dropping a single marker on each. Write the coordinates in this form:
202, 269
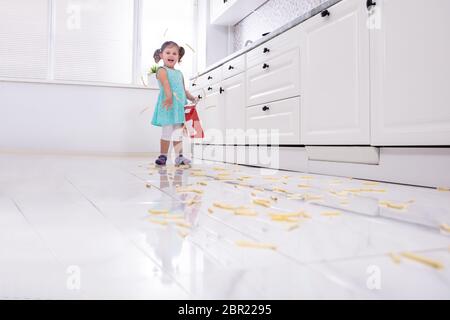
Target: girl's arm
162, 76
189, 95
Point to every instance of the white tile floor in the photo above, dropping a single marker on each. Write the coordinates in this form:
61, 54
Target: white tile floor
91, 214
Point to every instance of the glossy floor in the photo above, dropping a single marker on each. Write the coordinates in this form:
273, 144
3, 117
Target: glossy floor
103, 227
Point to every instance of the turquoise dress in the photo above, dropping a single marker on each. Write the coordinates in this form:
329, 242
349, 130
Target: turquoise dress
175, 114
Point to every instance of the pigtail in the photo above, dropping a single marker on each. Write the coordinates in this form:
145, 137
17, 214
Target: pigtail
181, 53
157, 56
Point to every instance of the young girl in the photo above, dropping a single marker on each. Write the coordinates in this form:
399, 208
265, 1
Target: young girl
169, 110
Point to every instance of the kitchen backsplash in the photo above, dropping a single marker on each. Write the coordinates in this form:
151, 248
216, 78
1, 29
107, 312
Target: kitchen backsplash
270, 16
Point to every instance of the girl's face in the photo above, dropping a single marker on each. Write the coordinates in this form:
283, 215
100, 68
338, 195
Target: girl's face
170, 56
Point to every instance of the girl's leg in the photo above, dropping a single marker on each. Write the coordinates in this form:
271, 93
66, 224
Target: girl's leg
177, 137
164, 145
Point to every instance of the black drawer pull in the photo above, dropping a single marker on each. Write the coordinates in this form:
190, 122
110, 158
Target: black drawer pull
209, 78
194, 84
209, 88
266, 50
265, 66
370, 4
199, 97
325, 13
221, 90
230, 68
265, 108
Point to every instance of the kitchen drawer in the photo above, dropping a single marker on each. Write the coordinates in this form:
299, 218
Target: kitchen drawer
211, 77
275, 79
283, 116
233, 67
274, 47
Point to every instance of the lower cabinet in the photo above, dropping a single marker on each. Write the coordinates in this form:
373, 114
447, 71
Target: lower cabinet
274, 123
211, 116
233, 104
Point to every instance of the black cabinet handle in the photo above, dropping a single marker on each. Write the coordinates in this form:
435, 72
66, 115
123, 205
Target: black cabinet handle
199, 97
209, 78
265, 66
194, 84
221, 90
230, 68
325, 13
370, 4
265, 108
266, 50
209, 88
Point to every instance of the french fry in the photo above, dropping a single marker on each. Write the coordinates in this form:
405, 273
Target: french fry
276, 189
262, 202
210, 210
284, 219
427, 261
312, 197
392, 205
331, 213
183, 225
445, 227
202, 183
245, 212
443, 189
395, 257
189, 190
293, 227
224, 206
256, 245
183, 234
304, 186
286, 214
158, 211
160, 222
370, 183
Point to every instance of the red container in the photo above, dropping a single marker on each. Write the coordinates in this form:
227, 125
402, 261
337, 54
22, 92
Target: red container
193, 126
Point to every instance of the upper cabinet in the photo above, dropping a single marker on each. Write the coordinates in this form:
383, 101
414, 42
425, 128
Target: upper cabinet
410, 72
230, 12
335, 76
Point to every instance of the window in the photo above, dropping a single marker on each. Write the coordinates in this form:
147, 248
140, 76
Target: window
90, 41
162, 22
24, 26
94, 40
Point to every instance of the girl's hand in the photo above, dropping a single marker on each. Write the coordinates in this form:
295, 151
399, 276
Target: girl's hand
168, 102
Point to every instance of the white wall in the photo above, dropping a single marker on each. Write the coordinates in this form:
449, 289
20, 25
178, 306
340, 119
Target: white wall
40, 117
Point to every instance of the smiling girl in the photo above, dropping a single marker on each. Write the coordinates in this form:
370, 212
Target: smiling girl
169, 110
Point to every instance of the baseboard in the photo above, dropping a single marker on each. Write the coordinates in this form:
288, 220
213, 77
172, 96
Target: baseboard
427, 166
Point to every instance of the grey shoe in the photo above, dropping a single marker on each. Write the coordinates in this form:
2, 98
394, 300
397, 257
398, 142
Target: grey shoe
182, 161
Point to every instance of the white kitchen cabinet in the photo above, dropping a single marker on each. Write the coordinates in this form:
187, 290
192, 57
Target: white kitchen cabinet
334, 72
410, 46
233, 104
274, 123
211, 116
275, 79
230, 12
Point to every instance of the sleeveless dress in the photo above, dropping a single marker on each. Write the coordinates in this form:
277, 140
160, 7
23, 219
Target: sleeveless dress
175, 114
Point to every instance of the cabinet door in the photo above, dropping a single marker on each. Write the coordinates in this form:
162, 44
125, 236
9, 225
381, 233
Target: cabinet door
274, 123
274, 79
233, 103
335, 76
211, 116
410, 72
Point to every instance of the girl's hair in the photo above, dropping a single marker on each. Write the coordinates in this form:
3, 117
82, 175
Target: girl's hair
166, 44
